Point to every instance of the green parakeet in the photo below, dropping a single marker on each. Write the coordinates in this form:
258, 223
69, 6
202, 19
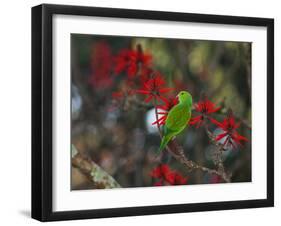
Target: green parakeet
177, 119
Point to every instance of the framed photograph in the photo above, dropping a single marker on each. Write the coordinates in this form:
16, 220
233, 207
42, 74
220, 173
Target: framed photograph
145, 112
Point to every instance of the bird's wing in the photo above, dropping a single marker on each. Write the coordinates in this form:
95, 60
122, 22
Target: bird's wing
177, 117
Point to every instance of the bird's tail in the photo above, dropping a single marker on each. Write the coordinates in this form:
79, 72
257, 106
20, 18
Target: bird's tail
165, 140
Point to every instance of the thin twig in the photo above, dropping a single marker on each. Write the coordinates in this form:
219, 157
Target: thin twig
218, 153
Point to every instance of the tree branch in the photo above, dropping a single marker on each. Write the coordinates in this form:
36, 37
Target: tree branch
95, 173
178, 153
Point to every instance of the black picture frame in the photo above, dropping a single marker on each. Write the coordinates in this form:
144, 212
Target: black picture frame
42, 108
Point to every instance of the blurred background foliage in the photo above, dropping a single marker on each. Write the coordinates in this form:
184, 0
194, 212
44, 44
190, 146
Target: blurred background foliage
119, 136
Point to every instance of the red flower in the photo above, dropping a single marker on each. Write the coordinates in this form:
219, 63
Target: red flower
229, 127
166, 175
205, 108
169, 103
101, 62
154, 88
126, 61
179, 179
130, 60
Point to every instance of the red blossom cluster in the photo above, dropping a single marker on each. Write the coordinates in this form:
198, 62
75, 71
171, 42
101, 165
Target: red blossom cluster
154, 89
137, 65
230, 134
166, 176
206, 108
132, 61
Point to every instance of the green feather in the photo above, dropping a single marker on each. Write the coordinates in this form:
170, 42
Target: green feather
177, 119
